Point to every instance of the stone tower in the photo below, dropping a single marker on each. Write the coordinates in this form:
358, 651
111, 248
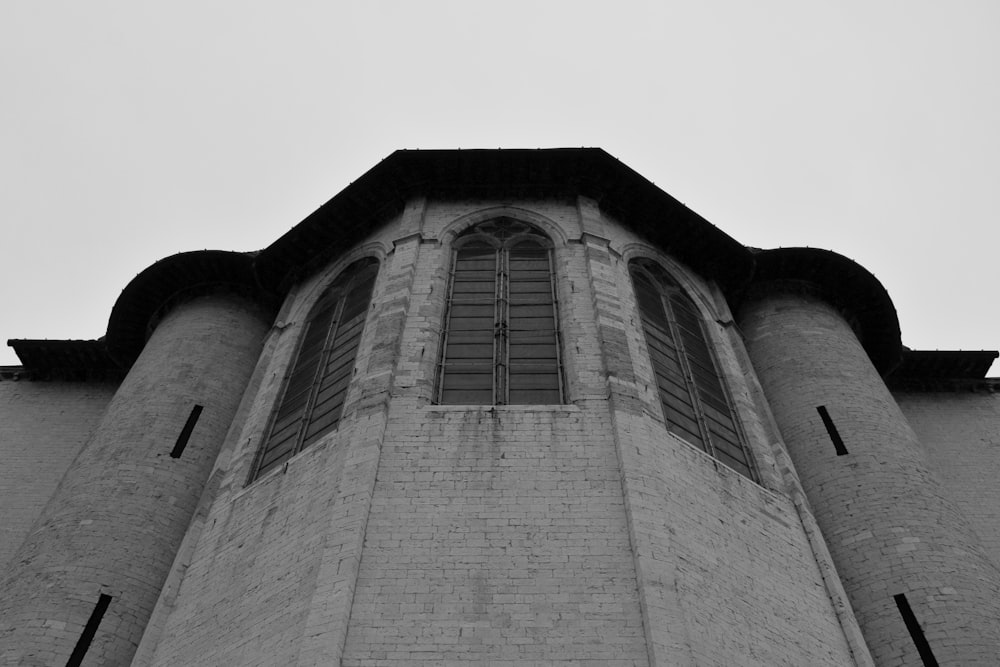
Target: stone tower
512, 407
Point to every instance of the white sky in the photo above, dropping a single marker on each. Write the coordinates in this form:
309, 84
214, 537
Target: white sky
130, 131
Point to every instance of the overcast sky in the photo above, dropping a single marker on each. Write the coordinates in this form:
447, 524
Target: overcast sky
130, 131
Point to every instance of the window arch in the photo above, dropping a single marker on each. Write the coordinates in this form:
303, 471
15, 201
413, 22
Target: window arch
501, 338
696, 405
313, 397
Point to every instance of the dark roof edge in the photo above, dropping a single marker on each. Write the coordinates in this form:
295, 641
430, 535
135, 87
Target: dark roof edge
944, 364
141, 303
502, 173
844, 284
383, 191
73, 360
169, 281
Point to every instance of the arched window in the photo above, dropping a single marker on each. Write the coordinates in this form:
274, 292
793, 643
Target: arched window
314, 392
695, 402
501, 341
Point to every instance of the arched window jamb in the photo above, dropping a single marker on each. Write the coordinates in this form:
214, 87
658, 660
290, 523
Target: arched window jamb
315, 387
501, 340
695, 401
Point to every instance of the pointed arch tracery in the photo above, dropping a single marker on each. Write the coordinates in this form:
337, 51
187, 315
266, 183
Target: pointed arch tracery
313, 396
501, 336
696, 405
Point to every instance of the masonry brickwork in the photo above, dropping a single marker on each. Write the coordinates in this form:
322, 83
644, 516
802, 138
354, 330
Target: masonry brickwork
579, 533
891, 526
448, 534
113, 524
960, 430
44, 425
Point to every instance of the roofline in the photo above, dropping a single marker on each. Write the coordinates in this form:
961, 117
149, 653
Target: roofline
383, 191
843, 283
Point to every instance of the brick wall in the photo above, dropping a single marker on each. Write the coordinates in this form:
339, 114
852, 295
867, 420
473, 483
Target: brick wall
960, 431
891, 528
727, 573
271, 574
496, 534
424, 535
125, 503
42, 427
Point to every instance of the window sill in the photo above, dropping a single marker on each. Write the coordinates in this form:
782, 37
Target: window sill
503, 408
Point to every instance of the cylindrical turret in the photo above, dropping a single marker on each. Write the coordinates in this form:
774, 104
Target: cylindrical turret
917, 578
87, 577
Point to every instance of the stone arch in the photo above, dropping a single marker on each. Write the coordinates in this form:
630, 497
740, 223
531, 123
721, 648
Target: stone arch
546, 225
694, 288
315, 287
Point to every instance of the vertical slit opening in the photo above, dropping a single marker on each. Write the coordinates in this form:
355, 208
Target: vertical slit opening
916, 632
89, 631
182, 439
831, 429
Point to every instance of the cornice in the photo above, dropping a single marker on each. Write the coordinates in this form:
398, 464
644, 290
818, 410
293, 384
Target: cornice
565, 173
839, 281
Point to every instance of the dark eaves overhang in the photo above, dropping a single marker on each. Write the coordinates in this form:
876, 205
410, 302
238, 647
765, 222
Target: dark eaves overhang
952, 364
74, 360
168, 282
510, 174
147, 296
383, 191
843, 283
944, 371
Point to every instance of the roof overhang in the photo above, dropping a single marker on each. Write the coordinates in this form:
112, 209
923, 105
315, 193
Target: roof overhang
843, 283
383, 191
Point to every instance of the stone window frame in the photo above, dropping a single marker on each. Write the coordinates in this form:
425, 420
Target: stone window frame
311, 377
707, 390
519, 233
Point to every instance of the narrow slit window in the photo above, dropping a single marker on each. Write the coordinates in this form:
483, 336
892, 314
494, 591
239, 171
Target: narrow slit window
315, 390
501, 336
916, 632
89, 631
182, 439
831, 429
696, 405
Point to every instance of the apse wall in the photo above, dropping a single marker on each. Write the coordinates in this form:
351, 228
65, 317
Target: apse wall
418, 533
723, 562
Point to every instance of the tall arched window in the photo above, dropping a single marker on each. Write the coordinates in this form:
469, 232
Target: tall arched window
315, 390
501, 341
695, 402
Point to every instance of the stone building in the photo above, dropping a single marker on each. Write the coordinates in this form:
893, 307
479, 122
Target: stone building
500, 407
